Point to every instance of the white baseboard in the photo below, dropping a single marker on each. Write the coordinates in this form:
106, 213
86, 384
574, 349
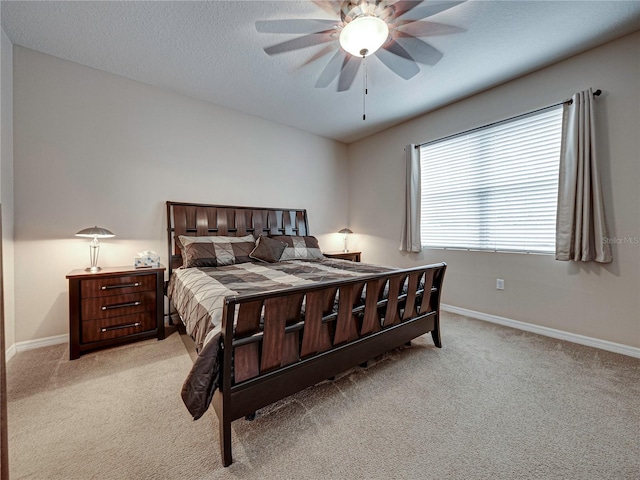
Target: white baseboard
529, 327
547, 332
11, 351
38, 343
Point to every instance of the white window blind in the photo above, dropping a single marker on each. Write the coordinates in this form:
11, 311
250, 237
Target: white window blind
494, 188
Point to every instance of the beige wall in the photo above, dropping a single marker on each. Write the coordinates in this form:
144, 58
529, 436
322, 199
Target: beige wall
6, 182
94, 148
587, 299
90, 148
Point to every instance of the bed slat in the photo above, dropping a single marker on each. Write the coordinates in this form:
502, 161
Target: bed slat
247, 364
248, 321
301, 224
258, 222
317, 336
410, 305
273, 223
426, 304
278, 347
222, 222
180, 222
346, 323
371, 320
241, 223
202, 222
286, 223
392, 313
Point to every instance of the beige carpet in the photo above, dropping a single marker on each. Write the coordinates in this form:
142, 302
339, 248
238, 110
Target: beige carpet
494, 403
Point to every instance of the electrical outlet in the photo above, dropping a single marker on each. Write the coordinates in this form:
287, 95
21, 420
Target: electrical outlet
499, 284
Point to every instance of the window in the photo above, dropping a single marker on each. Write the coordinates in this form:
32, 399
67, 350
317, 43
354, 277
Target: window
494, 188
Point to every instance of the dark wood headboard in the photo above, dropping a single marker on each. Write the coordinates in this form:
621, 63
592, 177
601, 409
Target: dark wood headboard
197, 219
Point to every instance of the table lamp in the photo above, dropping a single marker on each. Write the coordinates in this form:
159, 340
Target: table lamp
94, 245
346, 232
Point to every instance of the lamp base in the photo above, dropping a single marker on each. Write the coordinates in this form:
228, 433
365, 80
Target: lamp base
94, 251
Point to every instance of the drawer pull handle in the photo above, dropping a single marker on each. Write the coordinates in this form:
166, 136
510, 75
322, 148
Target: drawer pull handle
124, 285
118, 327
120, 305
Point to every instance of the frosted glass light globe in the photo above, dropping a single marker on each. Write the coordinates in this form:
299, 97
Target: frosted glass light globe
364, 35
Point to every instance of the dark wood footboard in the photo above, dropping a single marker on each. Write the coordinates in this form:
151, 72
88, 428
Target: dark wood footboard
286, 341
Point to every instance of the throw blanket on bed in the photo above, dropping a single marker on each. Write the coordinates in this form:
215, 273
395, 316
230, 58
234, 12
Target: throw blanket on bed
198, 295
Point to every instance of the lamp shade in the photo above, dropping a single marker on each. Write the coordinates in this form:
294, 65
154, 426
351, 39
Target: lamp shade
345, 231
94, 245
95, 232
364, 35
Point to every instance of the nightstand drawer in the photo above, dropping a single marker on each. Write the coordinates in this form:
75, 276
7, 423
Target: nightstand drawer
105, 287
96, 330
116, 305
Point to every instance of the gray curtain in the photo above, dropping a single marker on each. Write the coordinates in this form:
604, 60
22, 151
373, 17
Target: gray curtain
410, 241
581, 232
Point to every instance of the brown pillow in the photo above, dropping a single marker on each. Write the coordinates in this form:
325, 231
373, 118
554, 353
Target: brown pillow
267, 250
215, 251
299, 247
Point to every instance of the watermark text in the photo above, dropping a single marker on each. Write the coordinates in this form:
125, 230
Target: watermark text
631, 240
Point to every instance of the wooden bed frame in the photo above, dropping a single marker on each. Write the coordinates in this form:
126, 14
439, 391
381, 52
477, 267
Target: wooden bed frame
279, 344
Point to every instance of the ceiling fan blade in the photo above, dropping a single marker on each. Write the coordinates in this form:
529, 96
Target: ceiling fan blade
403, 6
328, 6
350, 67
427, 9
403, 66
397, 49
319, 54
420, 28
420, 51
295, 25
331, 70
298, 43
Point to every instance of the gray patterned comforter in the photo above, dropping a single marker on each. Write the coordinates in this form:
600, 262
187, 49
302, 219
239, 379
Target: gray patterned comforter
198, 293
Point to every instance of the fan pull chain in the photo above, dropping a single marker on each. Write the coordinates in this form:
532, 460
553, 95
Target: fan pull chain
364, 94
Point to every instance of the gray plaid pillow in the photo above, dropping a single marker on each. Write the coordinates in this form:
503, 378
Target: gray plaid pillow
215, 251
267, 250
299, 247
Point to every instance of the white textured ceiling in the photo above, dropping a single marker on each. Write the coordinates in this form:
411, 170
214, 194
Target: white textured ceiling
212, 51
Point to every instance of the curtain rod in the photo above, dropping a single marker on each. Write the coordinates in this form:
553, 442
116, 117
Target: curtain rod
568, 101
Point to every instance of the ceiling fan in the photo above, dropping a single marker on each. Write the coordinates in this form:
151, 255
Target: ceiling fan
385, 28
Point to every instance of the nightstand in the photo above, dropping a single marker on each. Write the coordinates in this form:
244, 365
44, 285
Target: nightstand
113, 306
353, 256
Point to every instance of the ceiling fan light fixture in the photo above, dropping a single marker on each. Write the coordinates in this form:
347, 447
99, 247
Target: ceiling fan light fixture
364, 35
